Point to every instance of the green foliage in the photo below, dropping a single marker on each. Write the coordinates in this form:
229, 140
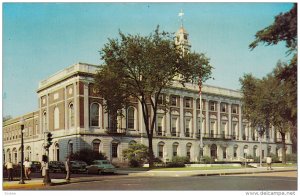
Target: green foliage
136, 154
140, 67
208, 160
284, 29
88, 155
178, 161
275, 159
291, 158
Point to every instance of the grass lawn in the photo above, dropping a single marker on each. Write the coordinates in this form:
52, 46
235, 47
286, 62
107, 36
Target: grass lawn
281, 165
196, 168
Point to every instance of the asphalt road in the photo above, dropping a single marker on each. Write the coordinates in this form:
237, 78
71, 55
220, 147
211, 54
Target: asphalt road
273, 181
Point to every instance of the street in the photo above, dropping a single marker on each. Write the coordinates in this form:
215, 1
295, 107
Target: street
271, 181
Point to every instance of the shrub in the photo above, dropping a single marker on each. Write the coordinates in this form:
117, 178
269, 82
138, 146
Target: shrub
275, 159
136, 154
88, 155
178, 161
291, 158
208, 160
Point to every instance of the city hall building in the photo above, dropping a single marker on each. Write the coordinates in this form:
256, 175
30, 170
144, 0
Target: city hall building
69, 106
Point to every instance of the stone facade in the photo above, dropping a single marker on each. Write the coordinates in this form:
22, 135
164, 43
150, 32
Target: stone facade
71, 110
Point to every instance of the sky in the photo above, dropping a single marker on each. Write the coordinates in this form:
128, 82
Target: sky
40, 39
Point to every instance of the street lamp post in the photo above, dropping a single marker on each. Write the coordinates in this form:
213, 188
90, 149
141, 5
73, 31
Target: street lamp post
260, 132
200, 127
22, 151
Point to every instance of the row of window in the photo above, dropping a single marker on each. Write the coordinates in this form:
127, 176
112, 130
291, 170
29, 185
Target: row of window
188, 104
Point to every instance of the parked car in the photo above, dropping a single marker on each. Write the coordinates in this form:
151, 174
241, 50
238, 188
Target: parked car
78, 166
35, 166
101, 166
56, 166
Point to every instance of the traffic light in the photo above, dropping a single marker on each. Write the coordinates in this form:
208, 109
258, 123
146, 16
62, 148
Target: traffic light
49, 140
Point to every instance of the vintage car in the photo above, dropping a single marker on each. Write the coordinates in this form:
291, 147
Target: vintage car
100, 167
78, 166
35, 166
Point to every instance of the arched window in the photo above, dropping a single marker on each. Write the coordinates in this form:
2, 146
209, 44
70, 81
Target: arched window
94, 115
56, 152
15, 156
188, 150
235, 148
161, 149
56, 118
44, 122
213, 151
71, 117
175, 149
96, 145
254, 151
70, 148
245, 151
114, 149
28, 153
131, 118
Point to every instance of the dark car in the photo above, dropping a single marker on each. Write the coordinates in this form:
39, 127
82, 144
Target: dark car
35, 166
55, 166
78, 166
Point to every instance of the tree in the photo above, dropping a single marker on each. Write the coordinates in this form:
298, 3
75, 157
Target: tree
284, 28
264, 103
140, 67
136, 154
88, 155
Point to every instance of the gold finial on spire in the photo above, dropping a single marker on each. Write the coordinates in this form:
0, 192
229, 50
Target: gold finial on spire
181, 17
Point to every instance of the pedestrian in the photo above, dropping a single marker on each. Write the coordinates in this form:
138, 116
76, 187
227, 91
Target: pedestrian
269, 162
43, 168
27, 164
68, 169
10, 168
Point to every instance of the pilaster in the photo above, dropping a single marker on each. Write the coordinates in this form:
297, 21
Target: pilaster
181, 118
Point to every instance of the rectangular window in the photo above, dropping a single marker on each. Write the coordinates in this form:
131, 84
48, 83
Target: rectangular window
212, 106
114, 150
160, 151
173, 101
96, 147
159, 126
187, 127
234, 109
224, 108
160, 99
188, 102
174, 122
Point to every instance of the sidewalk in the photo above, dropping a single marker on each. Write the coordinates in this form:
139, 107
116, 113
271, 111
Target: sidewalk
38, 182
212, 172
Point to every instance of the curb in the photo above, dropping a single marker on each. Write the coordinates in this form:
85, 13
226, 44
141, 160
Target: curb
30, 185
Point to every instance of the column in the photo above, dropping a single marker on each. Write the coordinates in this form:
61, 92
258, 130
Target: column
181, 134
86, 105
219, 119
141, 119
168, 120
195, 129
240, 122
66, 109
76, 105
47, 112
105, 119
229, 120
207, 117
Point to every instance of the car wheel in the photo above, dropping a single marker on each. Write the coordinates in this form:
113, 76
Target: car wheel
99, 172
